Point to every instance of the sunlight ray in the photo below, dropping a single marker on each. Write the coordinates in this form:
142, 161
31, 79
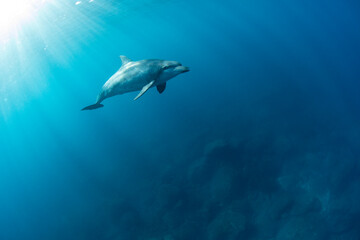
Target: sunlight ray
35, 35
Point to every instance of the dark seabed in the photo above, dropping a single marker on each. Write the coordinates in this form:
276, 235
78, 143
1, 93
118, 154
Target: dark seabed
260, 140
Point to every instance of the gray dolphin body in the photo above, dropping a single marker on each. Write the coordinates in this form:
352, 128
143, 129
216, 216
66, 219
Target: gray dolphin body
138, 75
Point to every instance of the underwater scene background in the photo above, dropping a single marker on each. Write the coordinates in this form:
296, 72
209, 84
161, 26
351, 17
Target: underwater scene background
260, 140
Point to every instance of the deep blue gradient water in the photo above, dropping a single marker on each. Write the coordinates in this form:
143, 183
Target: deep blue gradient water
260, 140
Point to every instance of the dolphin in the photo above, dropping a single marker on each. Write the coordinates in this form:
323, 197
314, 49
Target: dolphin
138, 76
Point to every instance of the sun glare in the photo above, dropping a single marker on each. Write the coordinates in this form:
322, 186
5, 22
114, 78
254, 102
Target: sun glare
14, 12
36, 35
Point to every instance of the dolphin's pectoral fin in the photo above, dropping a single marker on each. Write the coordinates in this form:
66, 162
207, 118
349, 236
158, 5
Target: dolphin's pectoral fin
161, 87
124, 59
144, 89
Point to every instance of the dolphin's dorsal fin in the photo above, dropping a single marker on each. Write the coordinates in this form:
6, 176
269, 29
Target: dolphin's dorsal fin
144, 89
125, 59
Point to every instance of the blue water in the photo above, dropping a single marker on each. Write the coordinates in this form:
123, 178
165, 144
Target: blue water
260, 140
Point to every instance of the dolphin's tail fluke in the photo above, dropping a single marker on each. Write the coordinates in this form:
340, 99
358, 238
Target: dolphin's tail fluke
92, 107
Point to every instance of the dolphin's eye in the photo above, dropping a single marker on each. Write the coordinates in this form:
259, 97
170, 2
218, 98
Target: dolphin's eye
166, 67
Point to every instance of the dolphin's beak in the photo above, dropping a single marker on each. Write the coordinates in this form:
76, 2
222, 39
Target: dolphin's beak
183, 69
